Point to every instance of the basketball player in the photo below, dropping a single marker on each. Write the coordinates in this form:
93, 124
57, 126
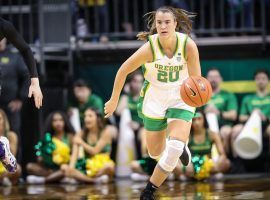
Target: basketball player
8, 31
167, 59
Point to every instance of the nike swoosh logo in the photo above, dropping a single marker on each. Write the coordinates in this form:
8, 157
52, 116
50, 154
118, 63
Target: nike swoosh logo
191, 90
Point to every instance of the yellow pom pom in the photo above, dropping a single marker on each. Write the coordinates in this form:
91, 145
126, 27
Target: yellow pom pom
96, 163
61, 154
2, 168
205, 169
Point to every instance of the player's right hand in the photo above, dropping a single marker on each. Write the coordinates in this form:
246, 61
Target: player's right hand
34, 90
110, 107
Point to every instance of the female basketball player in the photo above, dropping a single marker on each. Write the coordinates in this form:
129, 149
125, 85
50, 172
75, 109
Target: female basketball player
8, 31
167, 59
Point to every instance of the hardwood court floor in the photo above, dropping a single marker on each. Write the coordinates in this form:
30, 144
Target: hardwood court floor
125, 189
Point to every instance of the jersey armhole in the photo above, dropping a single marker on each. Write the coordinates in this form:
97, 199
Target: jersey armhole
152, 48
184, 51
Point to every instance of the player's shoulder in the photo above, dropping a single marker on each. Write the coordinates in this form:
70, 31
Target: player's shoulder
226, 92
248, 97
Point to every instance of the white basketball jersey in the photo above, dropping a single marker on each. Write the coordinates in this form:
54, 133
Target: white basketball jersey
167, 72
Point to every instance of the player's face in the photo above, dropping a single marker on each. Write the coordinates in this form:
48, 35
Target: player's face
197, 123
1, 121
81, 94
136, 83
58, 122
261, 80
90, 119
165, 24
214, 78
3, 44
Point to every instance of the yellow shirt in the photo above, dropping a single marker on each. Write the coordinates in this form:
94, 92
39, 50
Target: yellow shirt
92, 2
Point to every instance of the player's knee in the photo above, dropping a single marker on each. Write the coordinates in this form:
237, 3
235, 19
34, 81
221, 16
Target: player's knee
225, 131
155, 156
169, 158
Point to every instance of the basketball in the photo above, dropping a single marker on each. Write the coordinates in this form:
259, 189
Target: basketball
196, 91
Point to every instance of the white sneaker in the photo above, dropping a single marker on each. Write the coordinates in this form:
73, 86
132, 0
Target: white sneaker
170, 177
183, 178
6, 157
139, 177
218, 176
68, 180
6, 182
102, 179
31, 179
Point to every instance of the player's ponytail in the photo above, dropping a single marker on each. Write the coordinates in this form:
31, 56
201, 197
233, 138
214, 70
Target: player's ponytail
182, 17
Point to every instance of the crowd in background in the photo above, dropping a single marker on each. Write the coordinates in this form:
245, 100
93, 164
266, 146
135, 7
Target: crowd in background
88, 154
222, 17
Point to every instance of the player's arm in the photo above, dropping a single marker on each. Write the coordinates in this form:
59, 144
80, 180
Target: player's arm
13, 141
231, 113
11, 34
75, 151
123, 103
217, 141
106, 138
192, 57
243, 117
141, 56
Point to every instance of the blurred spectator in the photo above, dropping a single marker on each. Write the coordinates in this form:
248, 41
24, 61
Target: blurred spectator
180, 4
130, 101
175, 3
200, 144
224, 105
239, 7
94, 165
53, 150
259, 101
6, 177
84, 98
143, 167
97, 16
15, 80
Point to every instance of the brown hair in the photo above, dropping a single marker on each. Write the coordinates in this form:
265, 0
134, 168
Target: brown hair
182, 17
5, 119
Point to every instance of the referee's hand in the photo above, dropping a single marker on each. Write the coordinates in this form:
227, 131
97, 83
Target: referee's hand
35, 91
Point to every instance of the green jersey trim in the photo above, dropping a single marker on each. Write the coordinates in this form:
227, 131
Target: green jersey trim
184, 47
176, 46
152, 48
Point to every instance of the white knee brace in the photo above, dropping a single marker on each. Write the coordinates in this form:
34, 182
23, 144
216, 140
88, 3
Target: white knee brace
170, 157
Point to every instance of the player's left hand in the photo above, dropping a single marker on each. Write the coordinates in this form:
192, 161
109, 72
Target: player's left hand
15, 105
34, 90
110, 107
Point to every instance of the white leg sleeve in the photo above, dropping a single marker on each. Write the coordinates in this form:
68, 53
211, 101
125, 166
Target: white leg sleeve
170, 157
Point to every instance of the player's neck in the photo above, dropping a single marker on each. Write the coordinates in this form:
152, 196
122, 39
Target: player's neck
168, 43
216, 90
262, 93
60, 134
199, 132
94, 130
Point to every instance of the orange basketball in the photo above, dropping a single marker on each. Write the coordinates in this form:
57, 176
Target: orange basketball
196, 91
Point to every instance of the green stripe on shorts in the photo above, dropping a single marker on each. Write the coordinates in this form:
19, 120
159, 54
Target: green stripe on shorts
175, 113
154, 124
146, 85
